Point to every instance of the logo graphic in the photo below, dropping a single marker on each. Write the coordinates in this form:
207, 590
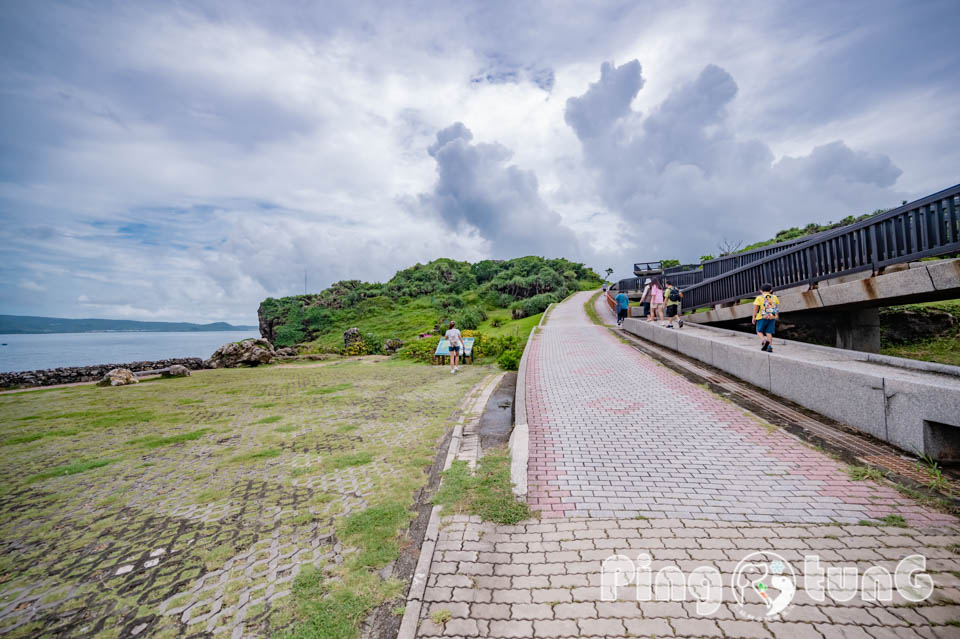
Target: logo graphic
763, 585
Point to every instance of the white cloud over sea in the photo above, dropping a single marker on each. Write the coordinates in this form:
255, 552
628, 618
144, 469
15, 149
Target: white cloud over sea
183, 161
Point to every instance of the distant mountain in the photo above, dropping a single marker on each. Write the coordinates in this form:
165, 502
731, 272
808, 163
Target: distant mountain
23, 324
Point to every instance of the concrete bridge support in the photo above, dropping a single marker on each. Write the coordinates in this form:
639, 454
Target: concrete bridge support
858, 330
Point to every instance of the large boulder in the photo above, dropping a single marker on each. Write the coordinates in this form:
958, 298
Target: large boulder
286, 351
118, 377
176, 371
350, 337
392, 345
249, 352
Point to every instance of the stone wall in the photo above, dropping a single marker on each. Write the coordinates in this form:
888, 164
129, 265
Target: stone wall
74, 374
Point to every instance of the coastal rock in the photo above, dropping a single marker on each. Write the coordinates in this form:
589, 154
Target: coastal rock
286, 352
249, 352
176, 371
119, 377
392, 345
76, 374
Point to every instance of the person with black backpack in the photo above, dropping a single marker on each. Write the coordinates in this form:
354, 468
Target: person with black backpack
672, 295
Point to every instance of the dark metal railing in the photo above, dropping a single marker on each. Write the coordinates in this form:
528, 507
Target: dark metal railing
681, 268
686, 278
928, 227
727, 263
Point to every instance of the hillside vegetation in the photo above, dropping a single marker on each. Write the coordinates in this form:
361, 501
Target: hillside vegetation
490, 295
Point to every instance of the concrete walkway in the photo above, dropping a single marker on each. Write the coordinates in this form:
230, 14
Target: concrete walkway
628, 457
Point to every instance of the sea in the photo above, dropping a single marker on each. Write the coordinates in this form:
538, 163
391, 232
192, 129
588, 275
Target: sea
55, 350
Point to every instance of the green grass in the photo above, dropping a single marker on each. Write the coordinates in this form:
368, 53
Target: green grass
155, 441
518, 328
269, 453
62, 498
890, 520
591, 310
327, 390
273, 419
346, 461
944, 350
486, 491
861, 473
70, 469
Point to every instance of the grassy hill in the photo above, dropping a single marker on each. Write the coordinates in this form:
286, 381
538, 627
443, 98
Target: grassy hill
493, 296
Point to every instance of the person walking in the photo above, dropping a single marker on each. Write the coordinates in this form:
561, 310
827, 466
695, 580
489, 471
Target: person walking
656, 301
456, 344
645, 299
672, 295
623, 307
766, 312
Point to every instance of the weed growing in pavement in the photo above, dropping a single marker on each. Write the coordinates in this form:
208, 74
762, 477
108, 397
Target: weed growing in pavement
889, 520
954, 548
70, 469
487, 491
346, 461
862, 473
441, 616
155, 441
939, 503
399, 611
937, 481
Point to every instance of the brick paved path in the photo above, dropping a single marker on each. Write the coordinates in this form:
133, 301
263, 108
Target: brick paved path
614, 435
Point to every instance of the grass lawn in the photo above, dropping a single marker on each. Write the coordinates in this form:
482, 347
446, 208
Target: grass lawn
267, 498
519, 328
945, 350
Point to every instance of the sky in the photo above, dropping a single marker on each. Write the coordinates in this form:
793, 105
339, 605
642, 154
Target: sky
183, 160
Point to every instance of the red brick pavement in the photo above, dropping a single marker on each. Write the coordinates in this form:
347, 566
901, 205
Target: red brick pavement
615, 434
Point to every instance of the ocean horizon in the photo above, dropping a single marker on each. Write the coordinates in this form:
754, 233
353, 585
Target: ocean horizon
25, 352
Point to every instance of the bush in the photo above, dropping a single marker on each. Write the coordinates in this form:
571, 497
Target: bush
497, 345
535, 304
479, 342
509, 360
421, 350
470, 318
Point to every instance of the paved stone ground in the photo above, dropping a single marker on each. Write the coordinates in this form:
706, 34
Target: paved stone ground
628, 457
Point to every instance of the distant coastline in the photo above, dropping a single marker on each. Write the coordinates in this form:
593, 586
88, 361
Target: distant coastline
30, 325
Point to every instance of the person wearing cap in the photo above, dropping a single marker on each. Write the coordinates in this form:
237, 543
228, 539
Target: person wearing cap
645, 298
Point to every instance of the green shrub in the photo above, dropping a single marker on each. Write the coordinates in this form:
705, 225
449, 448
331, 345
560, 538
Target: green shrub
497, 345
420, 350
470, 318
509, 360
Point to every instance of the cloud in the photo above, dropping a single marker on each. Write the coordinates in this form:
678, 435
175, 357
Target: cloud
683, 177
185, 160
478, 193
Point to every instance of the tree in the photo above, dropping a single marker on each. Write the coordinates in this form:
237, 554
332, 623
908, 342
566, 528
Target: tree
706, 258
608, 272
727, 247
669, 263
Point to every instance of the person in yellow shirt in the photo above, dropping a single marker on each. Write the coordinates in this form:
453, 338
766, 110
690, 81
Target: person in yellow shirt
766, 312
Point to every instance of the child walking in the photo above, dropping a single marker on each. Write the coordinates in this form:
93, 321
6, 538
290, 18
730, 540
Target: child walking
766, 312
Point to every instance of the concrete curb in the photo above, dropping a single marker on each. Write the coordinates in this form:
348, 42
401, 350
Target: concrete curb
889, 360
906, 408
418, 584
520, 437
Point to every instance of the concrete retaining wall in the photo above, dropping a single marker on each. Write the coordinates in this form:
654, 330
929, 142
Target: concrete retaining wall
913, 405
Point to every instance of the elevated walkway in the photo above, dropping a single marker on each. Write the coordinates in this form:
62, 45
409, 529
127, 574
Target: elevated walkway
850, 302
913, 405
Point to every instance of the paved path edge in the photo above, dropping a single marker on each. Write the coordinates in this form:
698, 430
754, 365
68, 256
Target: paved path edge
520, 437
418, 583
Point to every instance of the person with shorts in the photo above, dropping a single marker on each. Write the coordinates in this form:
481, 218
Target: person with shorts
456, 345
623, 307
766, 312
672, 296
656, 301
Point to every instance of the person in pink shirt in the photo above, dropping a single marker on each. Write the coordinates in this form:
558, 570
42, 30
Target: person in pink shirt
656, 301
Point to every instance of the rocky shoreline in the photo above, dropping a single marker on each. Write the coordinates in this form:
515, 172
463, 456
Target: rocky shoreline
74, 374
